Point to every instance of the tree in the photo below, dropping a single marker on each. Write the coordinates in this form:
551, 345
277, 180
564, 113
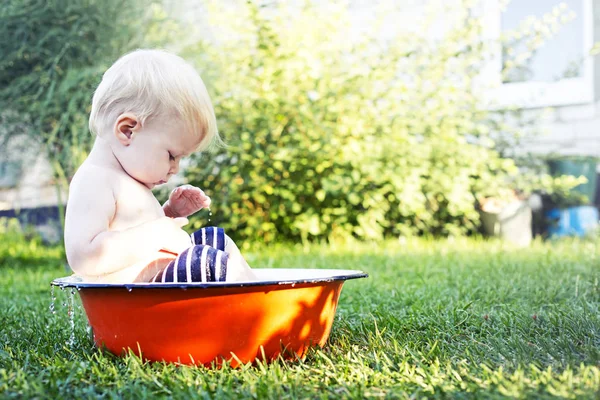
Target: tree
53, 55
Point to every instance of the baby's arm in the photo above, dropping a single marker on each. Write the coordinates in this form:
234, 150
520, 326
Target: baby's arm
94, 250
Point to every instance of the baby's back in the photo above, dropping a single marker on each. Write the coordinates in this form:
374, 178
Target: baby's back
102, 199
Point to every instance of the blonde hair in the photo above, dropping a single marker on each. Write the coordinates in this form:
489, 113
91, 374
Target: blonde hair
153, 83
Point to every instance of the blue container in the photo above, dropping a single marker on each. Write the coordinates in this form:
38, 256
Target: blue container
573, 221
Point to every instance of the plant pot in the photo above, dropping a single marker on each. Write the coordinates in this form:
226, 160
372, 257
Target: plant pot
512, 223
572, 221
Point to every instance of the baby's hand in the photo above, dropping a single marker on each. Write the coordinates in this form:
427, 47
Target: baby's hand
186, 200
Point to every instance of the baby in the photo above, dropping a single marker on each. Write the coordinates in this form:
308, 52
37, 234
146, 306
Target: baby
150, 110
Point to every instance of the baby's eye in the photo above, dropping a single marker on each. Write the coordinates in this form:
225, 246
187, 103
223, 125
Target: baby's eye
171, 158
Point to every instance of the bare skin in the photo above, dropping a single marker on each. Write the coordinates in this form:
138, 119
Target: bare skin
115, 229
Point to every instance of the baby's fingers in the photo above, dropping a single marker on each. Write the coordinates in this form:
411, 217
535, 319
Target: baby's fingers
176, 193
206, 202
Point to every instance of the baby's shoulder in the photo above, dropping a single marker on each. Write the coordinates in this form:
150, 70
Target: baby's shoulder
92, 175
91, 186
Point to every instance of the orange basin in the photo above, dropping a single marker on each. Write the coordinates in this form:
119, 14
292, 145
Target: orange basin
283, 313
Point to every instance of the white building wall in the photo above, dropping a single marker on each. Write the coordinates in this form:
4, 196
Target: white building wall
33, 186
568, 130
34, 189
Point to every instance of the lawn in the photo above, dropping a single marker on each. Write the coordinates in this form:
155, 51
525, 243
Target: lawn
462, 318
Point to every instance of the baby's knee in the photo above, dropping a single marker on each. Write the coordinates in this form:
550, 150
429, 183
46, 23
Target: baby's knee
211, 235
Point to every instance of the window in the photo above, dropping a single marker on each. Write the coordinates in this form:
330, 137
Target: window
559, 71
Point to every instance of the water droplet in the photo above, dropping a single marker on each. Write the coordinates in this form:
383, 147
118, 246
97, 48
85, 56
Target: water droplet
129, 288
53, 300
71, 313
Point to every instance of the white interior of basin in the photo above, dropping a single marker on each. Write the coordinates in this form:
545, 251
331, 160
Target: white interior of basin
279, 275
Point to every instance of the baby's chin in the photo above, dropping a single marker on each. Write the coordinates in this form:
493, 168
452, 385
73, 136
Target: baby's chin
153, 185
149, 185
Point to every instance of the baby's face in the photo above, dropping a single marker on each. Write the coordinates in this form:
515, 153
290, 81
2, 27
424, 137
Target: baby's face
156, 150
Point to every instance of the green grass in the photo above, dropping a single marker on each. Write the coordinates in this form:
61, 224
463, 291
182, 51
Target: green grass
457, 318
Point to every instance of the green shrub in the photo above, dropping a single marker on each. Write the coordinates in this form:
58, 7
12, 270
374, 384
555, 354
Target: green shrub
331, 138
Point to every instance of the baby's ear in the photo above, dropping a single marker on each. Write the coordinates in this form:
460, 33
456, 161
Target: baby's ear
126, 125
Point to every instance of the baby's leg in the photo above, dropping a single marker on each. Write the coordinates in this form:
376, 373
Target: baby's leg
211, 235
213, 258
237, 268
200, 263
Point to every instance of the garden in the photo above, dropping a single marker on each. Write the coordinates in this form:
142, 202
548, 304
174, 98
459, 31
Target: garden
367, 154
435, 319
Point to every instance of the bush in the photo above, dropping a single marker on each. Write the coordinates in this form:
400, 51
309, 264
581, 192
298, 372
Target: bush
331, 138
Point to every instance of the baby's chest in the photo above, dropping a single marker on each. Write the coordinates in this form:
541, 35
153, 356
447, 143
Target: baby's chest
135, 206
